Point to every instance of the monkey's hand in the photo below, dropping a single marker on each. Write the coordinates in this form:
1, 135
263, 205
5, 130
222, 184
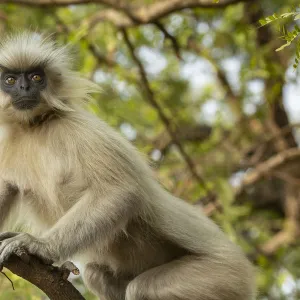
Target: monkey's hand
12, 242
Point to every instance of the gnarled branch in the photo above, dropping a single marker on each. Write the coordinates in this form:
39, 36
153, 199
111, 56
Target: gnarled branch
49, 279
135, 14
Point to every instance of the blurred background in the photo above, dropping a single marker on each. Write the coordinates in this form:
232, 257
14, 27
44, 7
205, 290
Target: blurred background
198, 87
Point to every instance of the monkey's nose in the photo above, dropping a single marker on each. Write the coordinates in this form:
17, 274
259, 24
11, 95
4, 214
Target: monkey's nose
23, 83
23, 87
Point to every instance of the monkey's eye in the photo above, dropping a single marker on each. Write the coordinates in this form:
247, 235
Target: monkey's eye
36, 78
10, 80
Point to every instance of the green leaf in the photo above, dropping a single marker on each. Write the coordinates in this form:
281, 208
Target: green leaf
297, 17
287, 15
262, 22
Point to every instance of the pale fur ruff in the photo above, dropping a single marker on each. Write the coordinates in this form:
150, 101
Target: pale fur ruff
92, 195
65, 88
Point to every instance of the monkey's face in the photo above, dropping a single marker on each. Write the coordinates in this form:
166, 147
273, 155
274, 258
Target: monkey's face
24, 87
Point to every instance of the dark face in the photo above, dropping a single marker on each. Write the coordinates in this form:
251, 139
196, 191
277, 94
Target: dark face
24, 87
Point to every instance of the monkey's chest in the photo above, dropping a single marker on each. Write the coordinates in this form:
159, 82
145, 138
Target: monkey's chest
29, 169
36, 173
30, 165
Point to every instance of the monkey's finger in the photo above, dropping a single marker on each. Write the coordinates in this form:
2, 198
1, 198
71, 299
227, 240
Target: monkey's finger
67, 268
7, 235
9, 243
7, 252
22, 253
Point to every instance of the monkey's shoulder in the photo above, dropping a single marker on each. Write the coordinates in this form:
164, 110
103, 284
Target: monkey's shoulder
94, 142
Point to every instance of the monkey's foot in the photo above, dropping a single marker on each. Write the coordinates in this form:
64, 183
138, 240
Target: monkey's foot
67, 268
23, 245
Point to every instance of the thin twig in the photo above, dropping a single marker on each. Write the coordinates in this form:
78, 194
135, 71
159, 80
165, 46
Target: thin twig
174, 42
101, 59
12, 284
234, 99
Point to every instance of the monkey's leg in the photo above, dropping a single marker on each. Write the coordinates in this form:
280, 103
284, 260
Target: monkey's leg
192, 278
102, 282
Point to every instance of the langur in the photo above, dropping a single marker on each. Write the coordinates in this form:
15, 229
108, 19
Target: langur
87, 194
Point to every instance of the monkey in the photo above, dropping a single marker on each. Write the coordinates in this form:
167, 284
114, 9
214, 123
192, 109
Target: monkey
86, 193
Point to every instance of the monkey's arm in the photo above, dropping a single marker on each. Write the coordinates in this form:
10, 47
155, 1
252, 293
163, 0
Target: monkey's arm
90, 219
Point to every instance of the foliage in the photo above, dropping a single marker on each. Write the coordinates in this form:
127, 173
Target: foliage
230, 98
290, 36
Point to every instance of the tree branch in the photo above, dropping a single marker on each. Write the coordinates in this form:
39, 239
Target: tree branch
154, 103
233, 98
48, 2
100, 58
49, 279
111, 15
198, 133
265, 168
169, 36
121, 20
160, 7
138, 14
290, 233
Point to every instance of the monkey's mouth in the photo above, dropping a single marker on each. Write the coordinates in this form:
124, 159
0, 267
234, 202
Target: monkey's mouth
25, 103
